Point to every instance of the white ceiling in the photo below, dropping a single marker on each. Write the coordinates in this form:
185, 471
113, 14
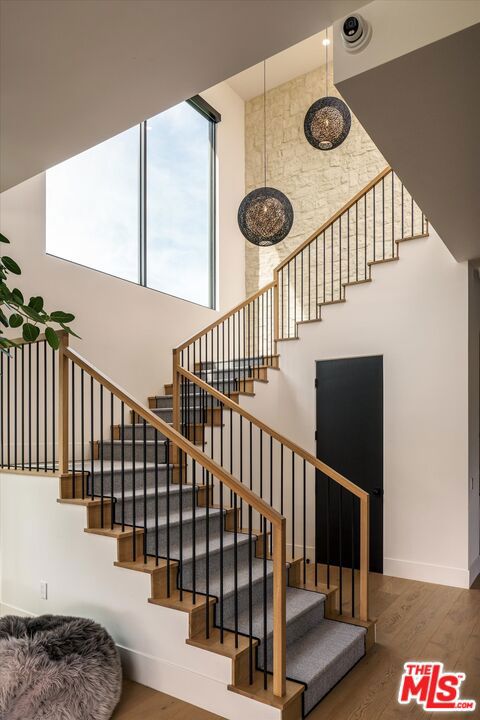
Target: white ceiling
76, 72
282, 67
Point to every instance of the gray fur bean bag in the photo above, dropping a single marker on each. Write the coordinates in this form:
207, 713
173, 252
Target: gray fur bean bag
57, 668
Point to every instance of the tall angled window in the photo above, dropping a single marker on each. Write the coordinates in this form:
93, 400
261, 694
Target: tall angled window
92, 207
141, 205
179, 204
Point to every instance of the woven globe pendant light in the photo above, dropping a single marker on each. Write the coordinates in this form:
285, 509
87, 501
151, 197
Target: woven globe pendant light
327, 122
265, 215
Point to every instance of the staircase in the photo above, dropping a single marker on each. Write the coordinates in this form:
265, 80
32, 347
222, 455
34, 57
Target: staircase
213, 504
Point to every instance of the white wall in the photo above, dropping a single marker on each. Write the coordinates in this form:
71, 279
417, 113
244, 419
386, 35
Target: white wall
129, 331
474, 420
415, 315
50, 545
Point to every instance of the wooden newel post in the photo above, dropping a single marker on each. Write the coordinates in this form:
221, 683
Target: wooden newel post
364, 555
63, 406
279, 609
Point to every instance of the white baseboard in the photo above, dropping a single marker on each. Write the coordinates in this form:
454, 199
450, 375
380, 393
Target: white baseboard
474, 570
438, 574
12, 610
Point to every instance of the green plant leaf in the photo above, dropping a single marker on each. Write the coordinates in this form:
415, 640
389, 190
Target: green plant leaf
52, 338
30, 332
33, 315
36, 303
11, 265
60, 316
15, 320
4, 239
3, 319
69, 331
17, 296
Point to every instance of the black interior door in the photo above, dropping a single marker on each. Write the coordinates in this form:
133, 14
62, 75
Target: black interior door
349, 439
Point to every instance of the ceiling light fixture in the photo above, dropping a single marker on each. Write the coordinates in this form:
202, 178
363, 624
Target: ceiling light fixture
265, 215
327, 122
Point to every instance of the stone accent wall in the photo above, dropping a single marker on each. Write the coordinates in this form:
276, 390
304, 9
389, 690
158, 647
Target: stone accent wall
317, 183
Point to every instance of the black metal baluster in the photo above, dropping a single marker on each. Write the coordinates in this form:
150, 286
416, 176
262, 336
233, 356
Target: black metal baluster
288, 299
265, 628
301, 283
167, 460
403, 232
393, 216
1, 407
29, 407
207, 564
281, 306
328, 532
324, 268
295, 294
316, 277
281, 478
340, 549
235, 565
22, 407
15, 408
122, 460
304, 521
155, 456
356, 241
74, 469
194, 551
37, 408
293, 505
353, 555
374, 227
102, 479
92, 441
82, 432
45, 408
250, 599
309, 283
383, 218
271, 489
331, 262
134, 489
54, 403
261, 463
365, 234
222, 529
112, 506
9, 361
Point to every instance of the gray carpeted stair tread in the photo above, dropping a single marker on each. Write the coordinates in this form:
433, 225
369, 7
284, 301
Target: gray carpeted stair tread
322, 656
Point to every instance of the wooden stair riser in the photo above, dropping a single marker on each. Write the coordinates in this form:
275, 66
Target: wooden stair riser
160, 580
99, 515
73, 486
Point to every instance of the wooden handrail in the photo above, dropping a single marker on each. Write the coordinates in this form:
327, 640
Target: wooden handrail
304, 454
20, 341
333, 218
362, 495
224, 317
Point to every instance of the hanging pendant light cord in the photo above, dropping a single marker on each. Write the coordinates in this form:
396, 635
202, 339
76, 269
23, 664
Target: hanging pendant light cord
326, 62
265, 123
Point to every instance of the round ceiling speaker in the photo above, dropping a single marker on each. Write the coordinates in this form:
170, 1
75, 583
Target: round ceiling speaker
327, 123
265, 216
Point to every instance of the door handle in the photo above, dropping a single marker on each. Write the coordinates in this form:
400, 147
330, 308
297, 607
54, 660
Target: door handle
378, 492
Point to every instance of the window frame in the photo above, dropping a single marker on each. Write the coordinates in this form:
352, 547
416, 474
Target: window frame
213, 117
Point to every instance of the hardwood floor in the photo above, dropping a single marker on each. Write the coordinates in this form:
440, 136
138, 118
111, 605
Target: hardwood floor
416, 621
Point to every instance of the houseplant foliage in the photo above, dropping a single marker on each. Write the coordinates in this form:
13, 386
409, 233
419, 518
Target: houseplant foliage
31, 316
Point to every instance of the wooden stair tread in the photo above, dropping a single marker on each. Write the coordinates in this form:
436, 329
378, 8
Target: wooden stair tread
227, 648
357, 282
115, 532
186, 604
383, 260
256, 691
149, 567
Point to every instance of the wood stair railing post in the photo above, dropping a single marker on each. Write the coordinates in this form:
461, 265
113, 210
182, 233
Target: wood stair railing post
364, 555
279, 608
63, 406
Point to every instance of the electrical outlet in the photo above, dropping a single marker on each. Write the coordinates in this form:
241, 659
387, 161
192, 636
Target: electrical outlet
43, 590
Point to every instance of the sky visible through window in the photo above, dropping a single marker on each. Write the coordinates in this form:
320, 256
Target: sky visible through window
93, 205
